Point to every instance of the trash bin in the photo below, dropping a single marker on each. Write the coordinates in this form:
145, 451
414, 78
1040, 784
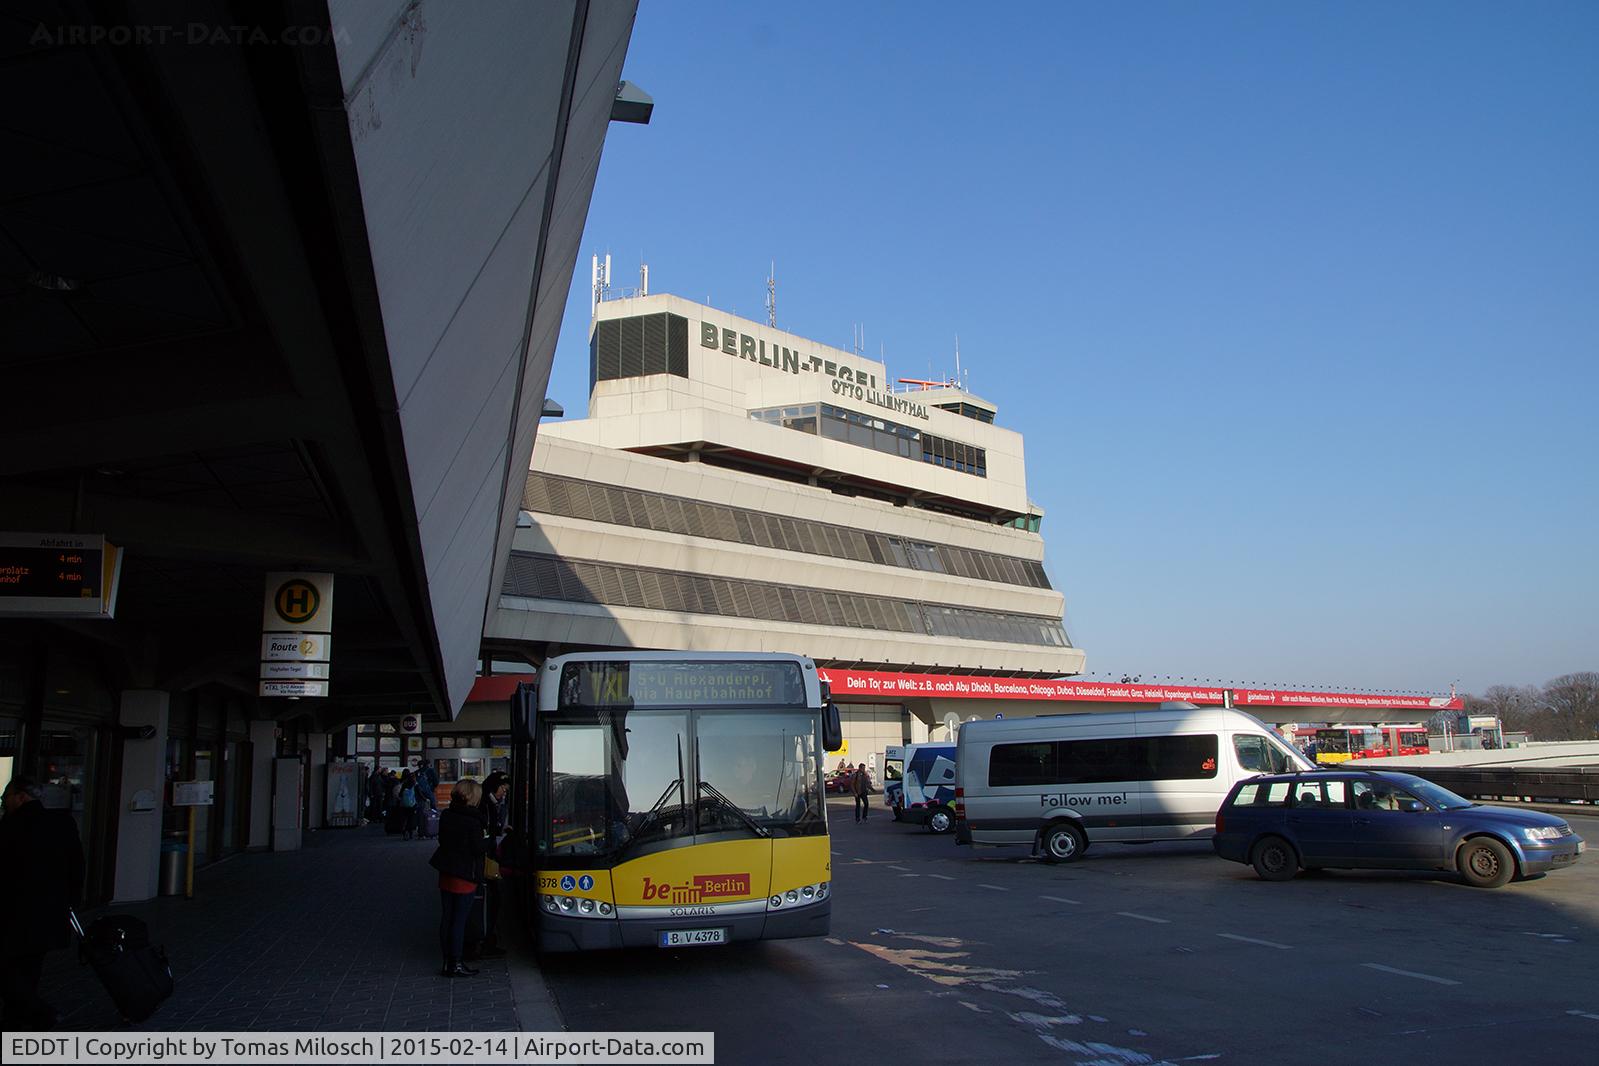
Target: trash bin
174, 864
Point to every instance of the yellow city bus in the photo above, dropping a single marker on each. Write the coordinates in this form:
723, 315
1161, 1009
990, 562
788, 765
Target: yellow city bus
673, 799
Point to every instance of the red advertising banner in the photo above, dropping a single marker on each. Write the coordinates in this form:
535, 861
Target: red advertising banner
1254, 697
878, 686
875, 684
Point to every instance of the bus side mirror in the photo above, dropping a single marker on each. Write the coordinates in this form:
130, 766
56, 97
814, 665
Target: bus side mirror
523, 703
832, 728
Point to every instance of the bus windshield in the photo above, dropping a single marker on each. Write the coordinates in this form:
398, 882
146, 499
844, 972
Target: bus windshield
634, 781
1332, 741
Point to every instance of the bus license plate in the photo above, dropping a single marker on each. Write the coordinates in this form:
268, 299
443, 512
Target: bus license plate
692, 938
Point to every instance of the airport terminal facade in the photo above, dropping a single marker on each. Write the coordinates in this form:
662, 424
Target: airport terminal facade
738, 487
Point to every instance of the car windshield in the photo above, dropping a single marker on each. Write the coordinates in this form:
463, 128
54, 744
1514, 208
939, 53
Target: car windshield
1436, 795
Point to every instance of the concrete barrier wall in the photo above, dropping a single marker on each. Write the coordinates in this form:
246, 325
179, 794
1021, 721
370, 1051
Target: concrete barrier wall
1540, 755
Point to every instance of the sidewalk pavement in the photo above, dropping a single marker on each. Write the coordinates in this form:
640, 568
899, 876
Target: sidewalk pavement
340, 935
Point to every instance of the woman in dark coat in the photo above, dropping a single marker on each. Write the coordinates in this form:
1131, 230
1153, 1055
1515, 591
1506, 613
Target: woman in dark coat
463, 843
493, 805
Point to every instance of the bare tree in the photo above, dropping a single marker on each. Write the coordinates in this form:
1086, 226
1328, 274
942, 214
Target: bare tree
1517, 707
1571, 706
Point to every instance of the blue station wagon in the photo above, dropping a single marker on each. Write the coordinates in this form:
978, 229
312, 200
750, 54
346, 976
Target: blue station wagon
1373, 819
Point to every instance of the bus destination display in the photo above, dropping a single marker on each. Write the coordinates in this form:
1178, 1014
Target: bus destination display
691, 684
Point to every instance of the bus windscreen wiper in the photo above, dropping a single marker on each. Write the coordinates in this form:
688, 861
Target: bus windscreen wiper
652, 814
738, 812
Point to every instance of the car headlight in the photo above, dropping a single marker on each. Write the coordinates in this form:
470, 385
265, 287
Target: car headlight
1542, 832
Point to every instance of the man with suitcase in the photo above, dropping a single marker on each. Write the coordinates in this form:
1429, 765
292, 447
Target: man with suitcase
42, 883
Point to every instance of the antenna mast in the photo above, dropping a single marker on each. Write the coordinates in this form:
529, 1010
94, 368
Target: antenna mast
601, 281
771, 296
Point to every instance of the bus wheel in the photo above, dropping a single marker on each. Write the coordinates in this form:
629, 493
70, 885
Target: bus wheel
941, 820
1274, 860
1485, 863
1063, 842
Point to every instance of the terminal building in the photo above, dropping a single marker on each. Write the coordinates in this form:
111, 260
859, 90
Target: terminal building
738, 487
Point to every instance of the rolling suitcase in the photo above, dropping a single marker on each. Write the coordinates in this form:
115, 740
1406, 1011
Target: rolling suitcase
136, 974
430, 823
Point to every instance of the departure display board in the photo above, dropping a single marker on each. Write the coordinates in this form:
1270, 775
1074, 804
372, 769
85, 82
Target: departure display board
636, 684
44, 574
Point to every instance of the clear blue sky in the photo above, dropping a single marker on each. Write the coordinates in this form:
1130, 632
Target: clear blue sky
1296, 305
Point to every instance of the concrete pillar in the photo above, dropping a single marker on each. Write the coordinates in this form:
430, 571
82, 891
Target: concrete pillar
264, 745
918, 729
286, 805
318, 743
144, 775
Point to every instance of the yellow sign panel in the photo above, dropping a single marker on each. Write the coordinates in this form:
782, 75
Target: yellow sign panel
843, 748
730, 871
298, 601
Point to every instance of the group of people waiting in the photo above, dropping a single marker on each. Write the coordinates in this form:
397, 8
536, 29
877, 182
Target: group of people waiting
401, 800
472, 830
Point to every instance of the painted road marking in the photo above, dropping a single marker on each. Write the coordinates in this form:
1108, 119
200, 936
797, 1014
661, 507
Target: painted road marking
942, 877
1144, 917
901, 869
1583, 1014
1410, 973
910, 875
996, 888
1252, 940
1062, 899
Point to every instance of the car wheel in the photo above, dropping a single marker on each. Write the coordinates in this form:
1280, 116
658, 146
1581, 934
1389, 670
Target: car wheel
941, 820
1064, 842
1485, 863
1274, 859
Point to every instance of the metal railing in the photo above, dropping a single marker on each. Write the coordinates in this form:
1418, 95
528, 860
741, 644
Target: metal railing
1572, 784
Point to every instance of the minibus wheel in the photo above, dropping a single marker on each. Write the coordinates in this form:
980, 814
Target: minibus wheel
941, 820
1064, 842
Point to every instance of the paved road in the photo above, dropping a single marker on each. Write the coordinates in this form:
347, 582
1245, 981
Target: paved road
1137, 954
